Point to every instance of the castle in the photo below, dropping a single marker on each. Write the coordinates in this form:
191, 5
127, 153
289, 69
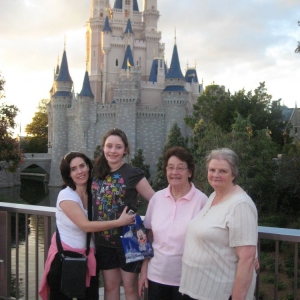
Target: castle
127, 85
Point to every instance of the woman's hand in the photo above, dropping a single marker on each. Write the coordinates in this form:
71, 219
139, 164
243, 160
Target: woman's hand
143, 280
126, 219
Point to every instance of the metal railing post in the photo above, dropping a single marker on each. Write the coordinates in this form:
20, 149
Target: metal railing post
5, 257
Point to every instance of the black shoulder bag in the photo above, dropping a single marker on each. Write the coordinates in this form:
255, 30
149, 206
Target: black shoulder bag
74, 265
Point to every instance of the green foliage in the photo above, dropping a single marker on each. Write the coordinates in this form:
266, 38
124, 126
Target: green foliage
175, 138
37, 131
297, 50
139, 161
10, 154
97, 151
220, 107
254, 148
287, 179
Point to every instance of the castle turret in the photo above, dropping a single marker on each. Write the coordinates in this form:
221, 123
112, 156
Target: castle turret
106, 46
175, 96
128, 59
150, 34
85, 98
192, 85
129, 33
158, 70
57, 109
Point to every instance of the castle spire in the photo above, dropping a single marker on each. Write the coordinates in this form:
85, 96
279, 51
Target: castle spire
128, 59
64, 74
128, 29
175, 70
106, 25
175, 36
86, 87
135, 5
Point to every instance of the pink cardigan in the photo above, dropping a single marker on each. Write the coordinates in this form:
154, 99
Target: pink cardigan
44, 288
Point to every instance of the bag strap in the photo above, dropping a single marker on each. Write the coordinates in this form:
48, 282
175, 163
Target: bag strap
89, 234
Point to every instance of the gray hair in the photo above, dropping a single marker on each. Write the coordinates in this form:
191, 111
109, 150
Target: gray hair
227, 154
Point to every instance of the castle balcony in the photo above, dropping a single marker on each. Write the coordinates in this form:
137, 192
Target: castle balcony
26, 231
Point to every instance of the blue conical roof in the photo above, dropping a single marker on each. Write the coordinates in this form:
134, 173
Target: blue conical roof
191, 76
86, 87
175, 70
128, 27
118, 4
153, 73
106, 25
135, 5
128, 58
64, 74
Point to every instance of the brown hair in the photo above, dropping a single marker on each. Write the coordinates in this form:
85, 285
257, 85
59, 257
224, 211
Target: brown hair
101, 167
65, 169
182, 154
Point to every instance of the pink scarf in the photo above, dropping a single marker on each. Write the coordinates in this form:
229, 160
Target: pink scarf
44, 288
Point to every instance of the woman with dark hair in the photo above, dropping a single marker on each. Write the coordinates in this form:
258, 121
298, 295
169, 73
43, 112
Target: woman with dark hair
73, 224
167, 216
220, 247
116, 185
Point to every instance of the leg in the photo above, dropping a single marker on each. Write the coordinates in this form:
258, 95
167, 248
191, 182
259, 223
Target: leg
159, 291
130, 283
92, 292
176, 295
54, 279
112, 281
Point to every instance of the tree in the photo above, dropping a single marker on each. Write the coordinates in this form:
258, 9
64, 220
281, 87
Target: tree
175, 138
205, 108
37, 131
297, 50
255, 150
139, 161
221, 108
10, 154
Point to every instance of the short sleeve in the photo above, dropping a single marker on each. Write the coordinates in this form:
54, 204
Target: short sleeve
148, 216
242, 225
136, 175
67, 194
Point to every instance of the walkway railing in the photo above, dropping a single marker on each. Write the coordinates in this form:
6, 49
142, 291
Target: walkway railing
24, 246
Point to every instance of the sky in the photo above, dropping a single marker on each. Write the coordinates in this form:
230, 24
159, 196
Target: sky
235, 43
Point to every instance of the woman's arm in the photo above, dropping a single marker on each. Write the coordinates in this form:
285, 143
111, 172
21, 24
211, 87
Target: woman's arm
244, 274
143, 280
144, 189
74, 212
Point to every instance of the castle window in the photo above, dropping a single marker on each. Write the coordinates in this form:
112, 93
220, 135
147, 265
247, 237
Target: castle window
127, 2
126, 13
117, 62
296, 129
101, 15
137, 62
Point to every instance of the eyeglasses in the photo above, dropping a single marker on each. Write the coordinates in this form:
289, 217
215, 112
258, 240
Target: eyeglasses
70, 153
177, 169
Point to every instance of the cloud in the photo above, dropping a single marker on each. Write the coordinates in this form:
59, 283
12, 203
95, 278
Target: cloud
234, 43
